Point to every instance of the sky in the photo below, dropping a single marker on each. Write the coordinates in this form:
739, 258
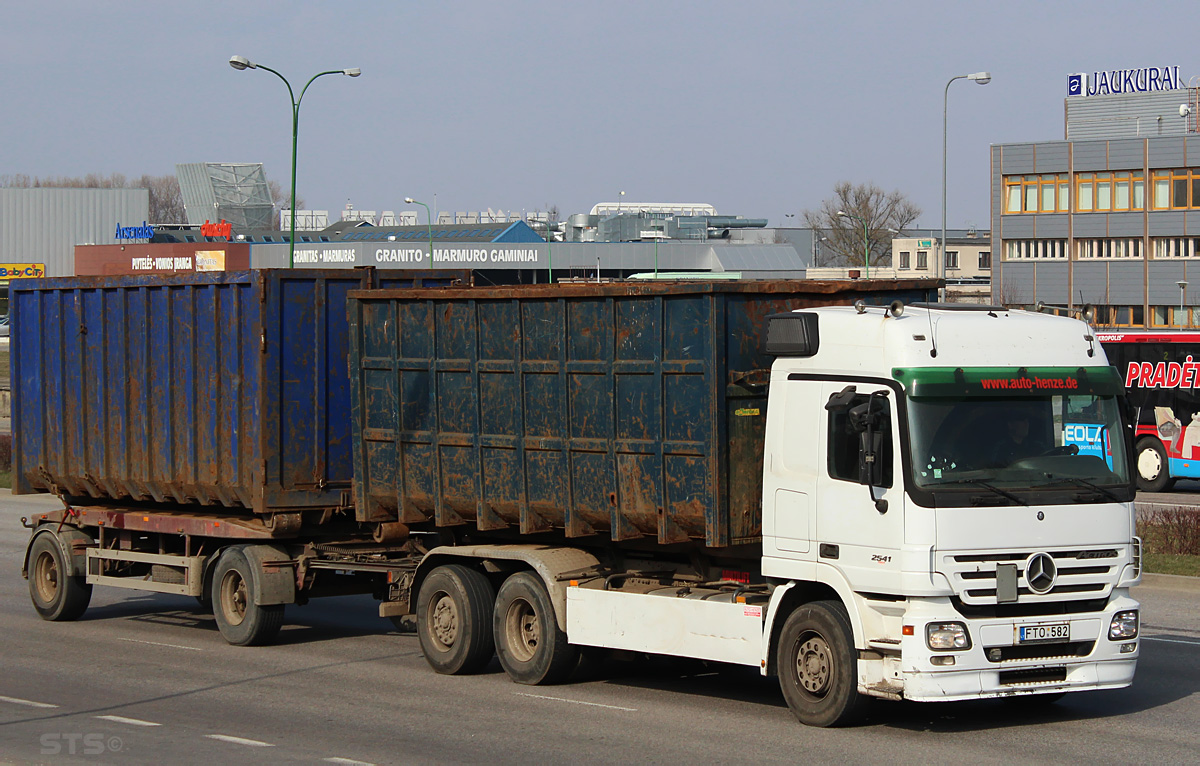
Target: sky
755, 108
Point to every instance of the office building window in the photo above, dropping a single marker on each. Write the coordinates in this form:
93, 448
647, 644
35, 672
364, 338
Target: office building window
1046, 193
1170, 316
1108, 192
922, 259
1175, 189
1176, 247
1026, 249
904, 259
985, 260
951, 259
1108, 248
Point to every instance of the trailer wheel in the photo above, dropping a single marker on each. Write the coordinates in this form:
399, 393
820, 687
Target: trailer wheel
530, 645
818, 665
454, 620
57, 595
1153, 469
242, 621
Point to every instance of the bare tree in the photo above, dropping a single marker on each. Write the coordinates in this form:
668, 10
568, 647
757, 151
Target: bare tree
281, 199
166, 199
884, 214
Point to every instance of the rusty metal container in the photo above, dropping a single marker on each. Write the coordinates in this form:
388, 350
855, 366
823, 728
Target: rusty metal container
628, 411
226, 389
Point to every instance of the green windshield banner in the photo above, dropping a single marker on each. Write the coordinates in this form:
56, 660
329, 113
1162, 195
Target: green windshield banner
1008, 381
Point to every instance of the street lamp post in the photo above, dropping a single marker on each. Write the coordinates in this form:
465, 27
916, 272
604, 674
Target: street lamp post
866, 242
240, 63
1182, 300
983, 78
429, 223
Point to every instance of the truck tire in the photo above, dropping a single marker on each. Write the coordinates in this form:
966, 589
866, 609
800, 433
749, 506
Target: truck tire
241, 620
454, 620
530, 645
1153, 469
57, 596
818, 665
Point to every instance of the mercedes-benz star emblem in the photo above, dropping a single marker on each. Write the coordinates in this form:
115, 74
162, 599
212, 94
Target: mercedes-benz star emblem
1040, 572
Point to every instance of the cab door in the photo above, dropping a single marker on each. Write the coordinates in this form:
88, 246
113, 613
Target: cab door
859, 526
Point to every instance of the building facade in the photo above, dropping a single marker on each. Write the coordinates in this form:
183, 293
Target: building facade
1109, 217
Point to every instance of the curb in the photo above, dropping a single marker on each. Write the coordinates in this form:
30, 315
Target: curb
1171, 582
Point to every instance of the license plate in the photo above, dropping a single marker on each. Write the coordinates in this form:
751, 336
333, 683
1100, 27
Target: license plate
1027, 634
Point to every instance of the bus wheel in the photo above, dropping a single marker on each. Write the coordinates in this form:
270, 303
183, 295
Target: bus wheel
1153, 470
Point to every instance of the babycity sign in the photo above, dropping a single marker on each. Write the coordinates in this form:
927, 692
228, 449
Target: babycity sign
1144, 80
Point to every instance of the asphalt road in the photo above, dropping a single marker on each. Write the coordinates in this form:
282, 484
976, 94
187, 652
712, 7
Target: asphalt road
147, 679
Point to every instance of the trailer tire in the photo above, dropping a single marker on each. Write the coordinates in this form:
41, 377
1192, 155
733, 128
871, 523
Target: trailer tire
454, 620
241, 619
57, 595
531, 647
1153, 467
818, 665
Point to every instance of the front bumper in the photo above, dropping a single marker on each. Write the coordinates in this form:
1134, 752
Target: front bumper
997, 665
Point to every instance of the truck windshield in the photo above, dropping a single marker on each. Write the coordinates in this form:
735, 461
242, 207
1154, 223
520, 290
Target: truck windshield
1010, 443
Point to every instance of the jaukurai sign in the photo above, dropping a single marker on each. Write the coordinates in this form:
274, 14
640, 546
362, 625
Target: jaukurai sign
1143, 80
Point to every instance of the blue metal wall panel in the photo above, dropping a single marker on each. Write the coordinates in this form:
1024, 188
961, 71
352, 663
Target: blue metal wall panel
1090, 155
1090, 225
1126, 224
1166, 153
1089, 282
1051, 226
1051, 284
1125, 279
1126, 154
1018, 158
1052, 157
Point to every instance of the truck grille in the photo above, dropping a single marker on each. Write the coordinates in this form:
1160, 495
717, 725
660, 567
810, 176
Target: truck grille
1062, 651
1081, 574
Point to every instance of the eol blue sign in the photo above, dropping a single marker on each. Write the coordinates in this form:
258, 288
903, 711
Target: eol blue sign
1142, 80
145, 231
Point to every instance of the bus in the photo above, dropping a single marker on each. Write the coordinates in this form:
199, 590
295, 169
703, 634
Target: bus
1161, 370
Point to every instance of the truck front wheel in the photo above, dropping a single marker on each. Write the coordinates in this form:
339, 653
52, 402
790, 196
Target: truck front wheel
57, 595
240, 618
818, 665
530, 645
1153, 468
454, 620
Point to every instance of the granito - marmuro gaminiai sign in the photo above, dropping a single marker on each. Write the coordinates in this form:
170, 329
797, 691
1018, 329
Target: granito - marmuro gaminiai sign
1144, 80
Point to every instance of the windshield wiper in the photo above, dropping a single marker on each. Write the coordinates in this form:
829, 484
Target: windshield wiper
985, 485
1083, 483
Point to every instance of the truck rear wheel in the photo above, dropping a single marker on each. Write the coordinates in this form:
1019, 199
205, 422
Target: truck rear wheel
818, 665
1153, 468
530, 645
240, 618
454, 620
57, 595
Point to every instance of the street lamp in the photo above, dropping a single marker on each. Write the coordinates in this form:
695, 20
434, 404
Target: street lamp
983, 78
428, 224
241, 62
866, 242
1182, 297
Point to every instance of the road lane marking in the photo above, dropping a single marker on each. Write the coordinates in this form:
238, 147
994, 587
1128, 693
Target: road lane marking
156, 643
123, 719
27, 703
1170, 640
348, 762
576, 702
239, 740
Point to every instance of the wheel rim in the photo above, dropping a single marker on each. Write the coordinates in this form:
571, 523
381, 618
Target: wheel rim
443, 619
1149, 464
45, 577
522, 630
814, 664
233, 597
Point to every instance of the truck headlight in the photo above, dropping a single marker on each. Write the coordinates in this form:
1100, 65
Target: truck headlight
1124, 626
947, 636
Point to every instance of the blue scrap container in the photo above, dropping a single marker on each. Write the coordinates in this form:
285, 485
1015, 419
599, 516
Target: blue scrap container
225, 389
625, 410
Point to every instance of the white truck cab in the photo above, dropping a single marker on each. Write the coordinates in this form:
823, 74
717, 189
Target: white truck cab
959, 477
